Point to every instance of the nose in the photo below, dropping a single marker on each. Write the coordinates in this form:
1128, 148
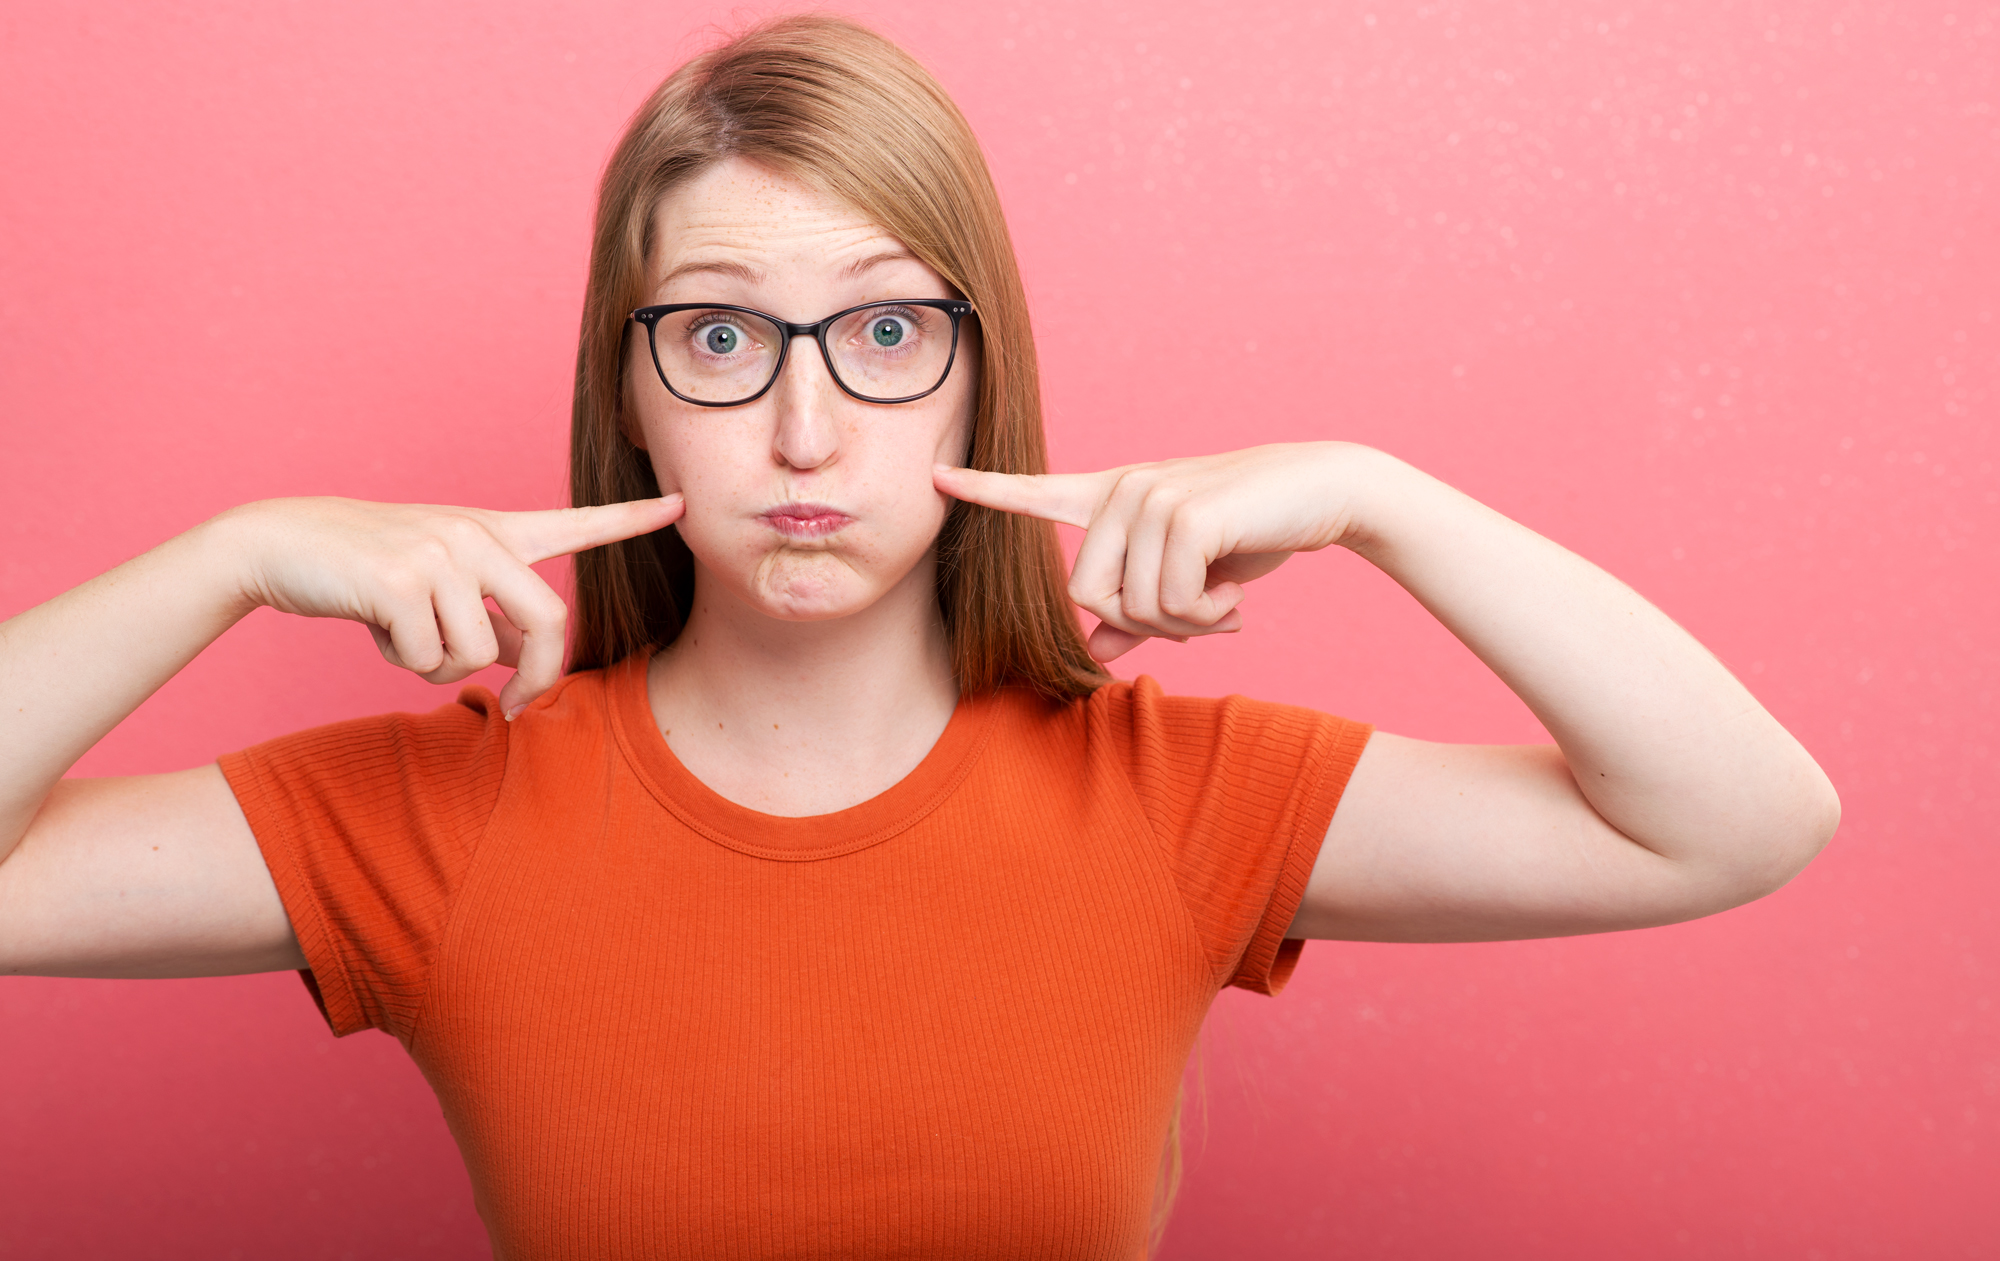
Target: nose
807, 434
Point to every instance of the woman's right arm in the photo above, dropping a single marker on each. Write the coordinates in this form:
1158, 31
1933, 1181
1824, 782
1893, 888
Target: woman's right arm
158, 875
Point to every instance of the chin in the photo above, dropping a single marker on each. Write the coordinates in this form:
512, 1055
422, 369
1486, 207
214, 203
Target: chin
809, 586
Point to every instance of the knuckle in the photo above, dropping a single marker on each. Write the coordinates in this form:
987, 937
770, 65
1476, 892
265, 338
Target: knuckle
1131, 486
455, 525
546, 611
466, 537
445, 537
1098, 601
1175, 503
430, 551
1188, 508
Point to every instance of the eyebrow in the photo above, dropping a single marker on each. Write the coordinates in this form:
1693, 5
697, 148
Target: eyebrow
860, 265
750, 275
717, 267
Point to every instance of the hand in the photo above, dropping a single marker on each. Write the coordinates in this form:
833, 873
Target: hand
419, 576
1168, 546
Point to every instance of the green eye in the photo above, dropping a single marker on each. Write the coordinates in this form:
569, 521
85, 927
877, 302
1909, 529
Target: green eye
887, 331
721, 339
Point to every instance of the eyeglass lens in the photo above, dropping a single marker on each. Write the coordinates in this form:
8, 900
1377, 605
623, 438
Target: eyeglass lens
889, 351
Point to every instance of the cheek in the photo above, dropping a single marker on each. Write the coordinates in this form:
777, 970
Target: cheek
723, 464
698, 455
943, 436
905, 490
955, 437
714, 499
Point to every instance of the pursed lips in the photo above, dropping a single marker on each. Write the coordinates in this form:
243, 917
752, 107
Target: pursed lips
805, 520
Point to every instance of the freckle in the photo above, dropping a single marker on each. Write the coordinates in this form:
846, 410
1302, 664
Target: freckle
156, 849
774, 726
718, 726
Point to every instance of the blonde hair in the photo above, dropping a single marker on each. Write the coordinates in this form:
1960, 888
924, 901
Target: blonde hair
831, 103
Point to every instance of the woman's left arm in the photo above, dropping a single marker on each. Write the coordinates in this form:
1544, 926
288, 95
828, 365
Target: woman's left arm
1671, 793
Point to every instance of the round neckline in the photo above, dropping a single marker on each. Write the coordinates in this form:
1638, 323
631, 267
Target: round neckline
783, 837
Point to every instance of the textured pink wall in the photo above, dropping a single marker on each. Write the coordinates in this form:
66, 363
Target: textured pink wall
1706, 292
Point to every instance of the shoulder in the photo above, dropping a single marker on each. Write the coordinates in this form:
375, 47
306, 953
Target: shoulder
1140, 699
585, 704
1137, 722
1142, 711
470, 729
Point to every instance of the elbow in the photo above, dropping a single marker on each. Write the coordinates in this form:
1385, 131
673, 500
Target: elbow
1817, 821
1825, 817
1790, 838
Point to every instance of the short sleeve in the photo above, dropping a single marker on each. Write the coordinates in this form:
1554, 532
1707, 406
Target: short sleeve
368, 828
1240, 793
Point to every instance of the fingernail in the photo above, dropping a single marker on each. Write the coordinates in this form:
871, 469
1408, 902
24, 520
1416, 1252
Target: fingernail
515, 712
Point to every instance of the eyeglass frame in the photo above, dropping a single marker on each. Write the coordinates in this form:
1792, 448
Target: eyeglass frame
650, 316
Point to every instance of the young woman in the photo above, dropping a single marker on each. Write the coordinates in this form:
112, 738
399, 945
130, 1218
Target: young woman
835, 901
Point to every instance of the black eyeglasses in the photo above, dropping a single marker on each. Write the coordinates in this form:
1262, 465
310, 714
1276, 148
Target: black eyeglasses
715, 355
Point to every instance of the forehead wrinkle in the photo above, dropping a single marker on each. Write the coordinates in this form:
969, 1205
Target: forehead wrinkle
769, 223
721, 249
741, 226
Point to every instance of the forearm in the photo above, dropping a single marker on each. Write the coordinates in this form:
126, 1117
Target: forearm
71, 669
1664, 743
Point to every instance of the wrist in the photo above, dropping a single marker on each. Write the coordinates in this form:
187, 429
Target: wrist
225, 550
1375, 494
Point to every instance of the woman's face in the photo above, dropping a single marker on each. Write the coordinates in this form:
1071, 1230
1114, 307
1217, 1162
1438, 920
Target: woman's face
807, 503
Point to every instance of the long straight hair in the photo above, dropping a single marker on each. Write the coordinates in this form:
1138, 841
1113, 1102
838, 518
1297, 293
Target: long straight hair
836, 106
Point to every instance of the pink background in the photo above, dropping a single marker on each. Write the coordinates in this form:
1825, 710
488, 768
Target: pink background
1706, 292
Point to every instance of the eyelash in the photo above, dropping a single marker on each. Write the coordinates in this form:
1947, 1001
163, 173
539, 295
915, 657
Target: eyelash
907, 313
717, 317
732, 317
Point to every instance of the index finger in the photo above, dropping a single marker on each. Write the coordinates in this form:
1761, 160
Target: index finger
537, 536
1070, 498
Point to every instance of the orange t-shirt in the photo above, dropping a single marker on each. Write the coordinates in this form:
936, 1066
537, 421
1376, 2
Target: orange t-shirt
948, 1021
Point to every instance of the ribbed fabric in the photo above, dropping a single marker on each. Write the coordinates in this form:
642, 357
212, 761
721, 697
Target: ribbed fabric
947, 1022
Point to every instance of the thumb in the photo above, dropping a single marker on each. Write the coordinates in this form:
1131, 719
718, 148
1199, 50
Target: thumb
505, 634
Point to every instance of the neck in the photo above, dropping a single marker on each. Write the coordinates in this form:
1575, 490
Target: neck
803, 718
